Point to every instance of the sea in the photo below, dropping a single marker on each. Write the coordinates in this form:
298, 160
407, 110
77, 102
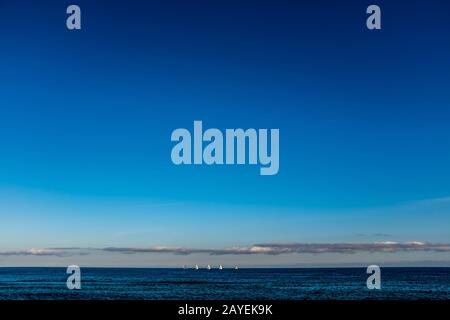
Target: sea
226, 284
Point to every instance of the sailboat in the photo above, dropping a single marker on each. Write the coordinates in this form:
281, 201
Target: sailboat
196, 267
220, 267
208, 267
235, 268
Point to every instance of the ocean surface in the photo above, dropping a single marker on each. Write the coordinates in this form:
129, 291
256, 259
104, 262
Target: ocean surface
155, 284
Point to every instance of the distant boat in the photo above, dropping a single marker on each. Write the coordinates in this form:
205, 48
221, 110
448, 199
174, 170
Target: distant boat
208, 267
236, 268
196, 267
184, 267
220, 267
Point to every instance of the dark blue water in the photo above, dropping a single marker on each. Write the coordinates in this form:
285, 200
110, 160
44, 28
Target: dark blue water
338, 283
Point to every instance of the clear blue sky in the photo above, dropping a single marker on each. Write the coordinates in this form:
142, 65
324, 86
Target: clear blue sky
86, 118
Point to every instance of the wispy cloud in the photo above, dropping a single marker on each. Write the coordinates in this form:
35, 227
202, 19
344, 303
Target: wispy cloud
373, 235
156, 249
317, 248
257, 249
35, 252
428, 202
301, 248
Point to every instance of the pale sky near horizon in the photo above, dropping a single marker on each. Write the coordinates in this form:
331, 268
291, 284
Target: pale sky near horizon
92, 226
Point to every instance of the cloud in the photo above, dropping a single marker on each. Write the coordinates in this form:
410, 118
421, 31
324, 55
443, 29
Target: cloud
300, 248
157, 249
34, 252
373, 235
55, 252
429, 202
257, 249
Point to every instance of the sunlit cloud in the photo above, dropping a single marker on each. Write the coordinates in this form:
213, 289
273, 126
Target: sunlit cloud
35, 252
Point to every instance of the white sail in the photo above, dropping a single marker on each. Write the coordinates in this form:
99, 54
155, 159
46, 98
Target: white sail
209, 267
196, 267
220, 267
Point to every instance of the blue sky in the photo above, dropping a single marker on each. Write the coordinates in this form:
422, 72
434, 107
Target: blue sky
86, 118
